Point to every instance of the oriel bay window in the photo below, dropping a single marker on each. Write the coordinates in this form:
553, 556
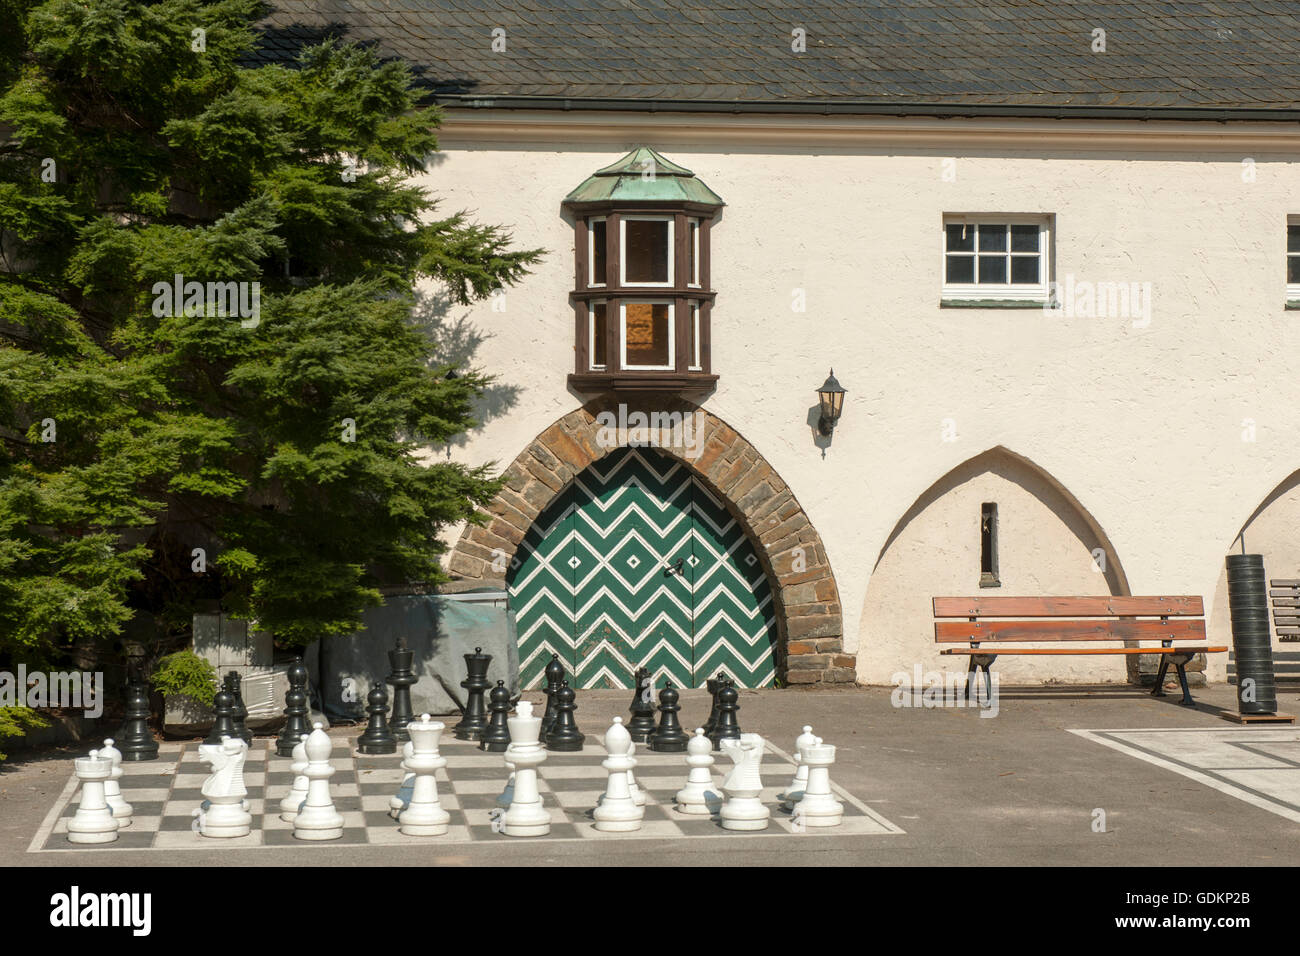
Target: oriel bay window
642, 295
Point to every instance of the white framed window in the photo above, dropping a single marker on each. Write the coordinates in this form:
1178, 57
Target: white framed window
1293, 258
647, 334
596, 249
596, 312
693, 253
646, 250
694, 350
996, 256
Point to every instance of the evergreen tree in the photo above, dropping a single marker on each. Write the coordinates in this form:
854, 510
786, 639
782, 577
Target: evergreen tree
142, 148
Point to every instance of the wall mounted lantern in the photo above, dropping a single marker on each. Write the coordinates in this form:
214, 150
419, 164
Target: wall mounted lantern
831, 398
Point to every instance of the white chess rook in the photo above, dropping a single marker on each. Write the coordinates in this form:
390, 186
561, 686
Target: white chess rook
698, 796
293, 800
819, 808
225, 813
424, 815
112, 788
93, 821
618, 811
402, 799
526, 815
744, 809
317, 819
794, 793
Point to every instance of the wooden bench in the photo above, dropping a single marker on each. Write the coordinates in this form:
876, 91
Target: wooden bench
1073, 620
1285, 594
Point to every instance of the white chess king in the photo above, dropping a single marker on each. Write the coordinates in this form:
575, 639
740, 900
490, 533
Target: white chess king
526, 816
225, 813
744, 809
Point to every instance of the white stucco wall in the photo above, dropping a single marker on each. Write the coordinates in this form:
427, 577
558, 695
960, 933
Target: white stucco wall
1142, 425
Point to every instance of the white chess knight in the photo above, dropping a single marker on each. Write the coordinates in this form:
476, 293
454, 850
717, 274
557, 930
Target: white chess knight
225, 813
317, 819
818, 806
93, 821
112, 788
526, 815
744, 809
699, 796
618, 811
424, 815
402, 798
794, 792
293, 800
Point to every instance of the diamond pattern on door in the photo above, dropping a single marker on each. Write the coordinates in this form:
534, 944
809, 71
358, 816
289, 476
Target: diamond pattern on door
635, 565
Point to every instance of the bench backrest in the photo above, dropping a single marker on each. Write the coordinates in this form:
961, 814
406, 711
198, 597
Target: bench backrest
1119, 618
1286, 608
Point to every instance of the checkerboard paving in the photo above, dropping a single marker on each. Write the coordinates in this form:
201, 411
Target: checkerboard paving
164, 794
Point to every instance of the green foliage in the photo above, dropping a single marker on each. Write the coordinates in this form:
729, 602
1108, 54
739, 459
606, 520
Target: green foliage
16, 721
181, 431
184, 672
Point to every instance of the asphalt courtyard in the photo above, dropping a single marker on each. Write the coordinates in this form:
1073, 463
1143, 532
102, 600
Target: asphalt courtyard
1016, 789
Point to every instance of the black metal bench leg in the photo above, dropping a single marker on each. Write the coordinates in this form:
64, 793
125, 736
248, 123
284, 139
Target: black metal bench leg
972, 675
988, 685
1159, 689
1187, 693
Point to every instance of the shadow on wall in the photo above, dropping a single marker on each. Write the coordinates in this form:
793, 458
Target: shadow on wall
1045, 543
1271, 531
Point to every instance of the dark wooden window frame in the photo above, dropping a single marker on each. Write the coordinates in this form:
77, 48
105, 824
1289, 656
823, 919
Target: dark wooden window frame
614, 378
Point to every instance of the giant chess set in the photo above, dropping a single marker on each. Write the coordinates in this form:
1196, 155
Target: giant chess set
507, 774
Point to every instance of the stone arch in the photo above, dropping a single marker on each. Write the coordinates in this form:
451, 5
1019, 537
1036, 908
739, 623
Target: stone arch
1047, 540
805, 598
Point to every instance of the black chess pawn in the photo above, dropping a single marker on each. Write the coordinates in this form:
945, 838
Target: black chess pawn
223, 706
474, 722
564, 736
642, 724
668, 738
728, 725
295, 709
714, 684
554, 678
134, 739
496, 738
378, 737
238, 712
401, 677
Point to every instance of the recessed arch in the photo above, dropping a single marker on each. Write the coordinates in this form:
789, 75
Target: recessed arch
805, 597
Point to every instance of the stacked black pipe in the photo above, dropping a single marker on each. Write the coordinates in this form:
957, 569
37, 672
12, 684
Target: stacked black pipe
1252, 642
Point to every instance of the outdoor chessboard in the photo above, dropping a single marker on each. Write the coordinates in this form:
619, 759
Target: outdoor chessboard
164, 793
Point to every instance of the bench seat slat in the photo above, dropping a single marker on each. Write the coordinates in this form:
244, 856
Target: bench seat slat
1086, 606
948, 632
999, 651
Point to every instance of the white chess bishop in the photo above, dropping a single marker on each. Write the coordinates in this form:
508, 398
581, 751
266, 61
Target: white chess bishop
794, 792
317, 819
818, 807
526, 815
225, 812
293, 800
424, 815
93, 821
113, 788
699, 795
618, 811
744, 809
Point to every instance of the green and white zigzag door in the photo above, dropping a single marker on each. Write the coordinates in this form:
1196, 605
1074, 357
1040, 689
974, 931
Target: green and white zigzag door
634, 565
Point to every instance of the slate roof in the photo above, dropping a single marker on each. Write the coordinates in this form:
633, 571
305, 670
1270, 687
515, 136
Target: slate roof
862, 55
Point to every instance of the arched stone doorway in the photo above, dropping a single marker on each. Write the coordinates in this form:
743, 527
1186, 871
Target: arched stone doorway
1046, 543
804, 598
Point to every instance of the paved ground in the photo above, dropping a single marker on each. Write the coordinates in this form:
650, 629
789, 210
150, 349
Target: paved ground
1016, 789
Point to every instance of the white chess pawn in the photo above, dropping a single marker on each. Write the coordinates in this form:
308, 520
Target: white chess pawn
93, 821
744, 809
292, 801
698, 796
424, 815
618, 811
317, 819
794, 792
225, 813
402, 799
112, 788
819, 808
638, 795
526, 816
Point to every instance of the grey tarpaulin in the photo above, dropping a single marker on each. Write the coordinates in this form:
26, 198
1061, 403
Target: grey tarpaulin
440, 629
